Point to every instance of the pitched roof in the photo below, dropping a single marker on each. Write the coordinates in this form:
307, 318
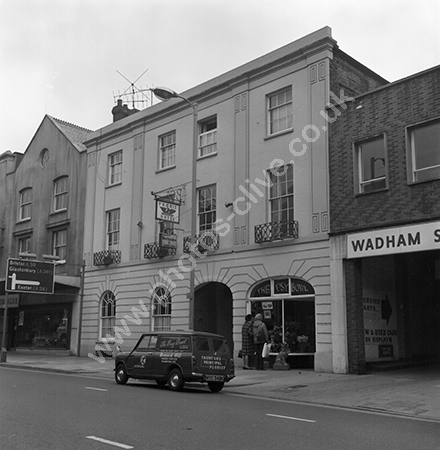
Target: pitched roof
76, 135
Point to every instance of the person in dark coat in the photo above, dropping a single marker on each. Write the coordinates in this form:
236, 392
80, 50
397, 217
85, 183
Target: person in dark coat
247, 341
261, 336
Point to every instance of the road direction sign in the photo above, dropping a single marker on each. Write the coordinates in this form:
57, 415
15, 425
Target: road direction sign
24, 275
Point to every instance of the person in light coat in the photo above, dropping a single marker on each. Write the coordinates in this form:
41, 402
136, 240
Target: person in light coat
259, 331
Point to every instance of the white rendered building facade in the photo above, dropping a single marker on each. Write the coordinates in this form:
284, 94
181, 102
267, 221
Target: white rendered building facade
262, 208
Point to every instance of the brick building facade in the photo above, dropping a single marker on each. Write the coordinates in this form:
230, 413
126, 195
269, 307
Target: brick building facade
385, 222
42, 197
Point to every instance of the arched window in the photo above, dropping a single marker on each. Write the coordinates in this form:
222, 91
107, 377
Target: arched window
161, 309
108, 315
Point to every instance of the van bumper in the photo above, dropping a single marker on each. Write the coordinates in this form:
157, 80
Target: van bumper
202, 377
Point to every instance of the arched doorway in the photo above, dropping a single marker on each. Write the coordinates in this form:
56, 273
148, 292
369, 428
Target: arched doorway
213, 310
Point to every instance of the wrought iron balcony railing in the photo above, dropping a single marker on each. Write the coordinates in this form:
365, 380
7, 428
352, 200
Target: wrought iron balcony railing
274, 231
154, 250
204, 242
106, 257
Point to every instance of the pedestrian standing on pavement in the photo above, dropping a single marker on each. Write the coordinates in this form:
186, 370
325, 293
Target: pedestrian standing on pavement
247, 341
259, 330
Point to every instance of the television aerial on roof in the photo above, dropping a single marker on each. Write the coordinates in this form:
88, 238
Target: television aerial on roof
137, 95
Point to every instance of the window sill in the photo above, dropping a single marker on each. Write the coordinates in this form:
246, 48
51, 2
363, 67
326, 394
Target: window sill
164, 169
280, 133
28, 219
414, 183
207, 156
59, 211
113, 185
361, 194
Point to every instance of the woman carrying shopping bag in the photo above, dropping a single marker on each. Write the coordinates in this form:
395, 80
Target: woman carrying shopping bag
260, 338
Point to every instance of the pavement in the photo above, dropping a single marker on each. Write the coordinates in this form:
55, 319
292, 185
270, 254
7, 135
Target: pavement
411, 392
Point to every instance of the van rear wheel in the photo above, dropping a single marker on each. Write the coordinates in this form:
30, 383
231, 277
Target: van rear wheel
175, 380
215, 386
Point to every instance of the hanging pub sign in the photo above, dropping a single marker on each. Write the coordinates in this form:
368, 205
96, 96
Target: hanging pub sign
167, 211
167, 240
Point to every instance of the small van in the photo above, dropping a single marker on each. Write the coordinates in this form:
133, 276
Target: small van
176, 357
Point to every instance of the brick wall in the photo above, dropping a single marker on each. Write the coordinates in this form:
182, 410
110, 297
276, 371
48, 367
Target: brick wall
351, 76
388, 110
355, 317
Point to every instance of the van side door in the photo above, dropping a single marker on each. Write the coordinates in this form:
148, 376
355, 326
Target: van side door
140, 360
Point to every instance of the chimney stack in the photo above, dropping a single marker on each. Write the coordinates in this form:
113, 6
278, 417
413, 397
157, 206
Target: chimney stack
120, 111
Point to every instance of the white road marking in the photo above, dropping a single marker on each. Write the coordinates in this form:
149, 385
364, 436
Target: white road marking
105, 441
96, 389
291, 418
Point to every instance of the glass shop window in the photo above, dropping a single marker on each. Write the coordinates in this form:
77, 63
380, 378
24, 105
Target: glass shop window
290, 323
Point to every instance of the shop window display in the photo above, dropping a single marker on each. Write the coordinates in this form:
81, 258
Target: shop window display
290, 320
290, 324
42, 327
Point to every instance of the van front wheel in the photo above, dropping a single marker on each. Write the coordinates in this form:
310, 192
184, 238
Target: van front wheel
175, 380
215, 386
121, 376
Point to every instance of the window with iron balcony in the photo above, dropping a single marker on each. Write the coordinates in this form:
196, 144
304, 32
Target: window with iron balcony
281, 203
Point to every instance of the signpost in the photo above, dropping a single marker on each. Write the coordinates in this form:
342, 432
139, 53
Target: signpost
23, 275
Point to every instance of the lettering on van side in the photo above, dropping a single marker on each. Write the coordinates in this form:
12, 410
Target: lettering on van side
213, 362
169, 357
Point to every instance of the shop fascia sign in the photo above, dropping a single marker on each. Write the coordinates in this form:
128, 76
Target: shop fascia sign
291, 287
414, 238
13, 300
